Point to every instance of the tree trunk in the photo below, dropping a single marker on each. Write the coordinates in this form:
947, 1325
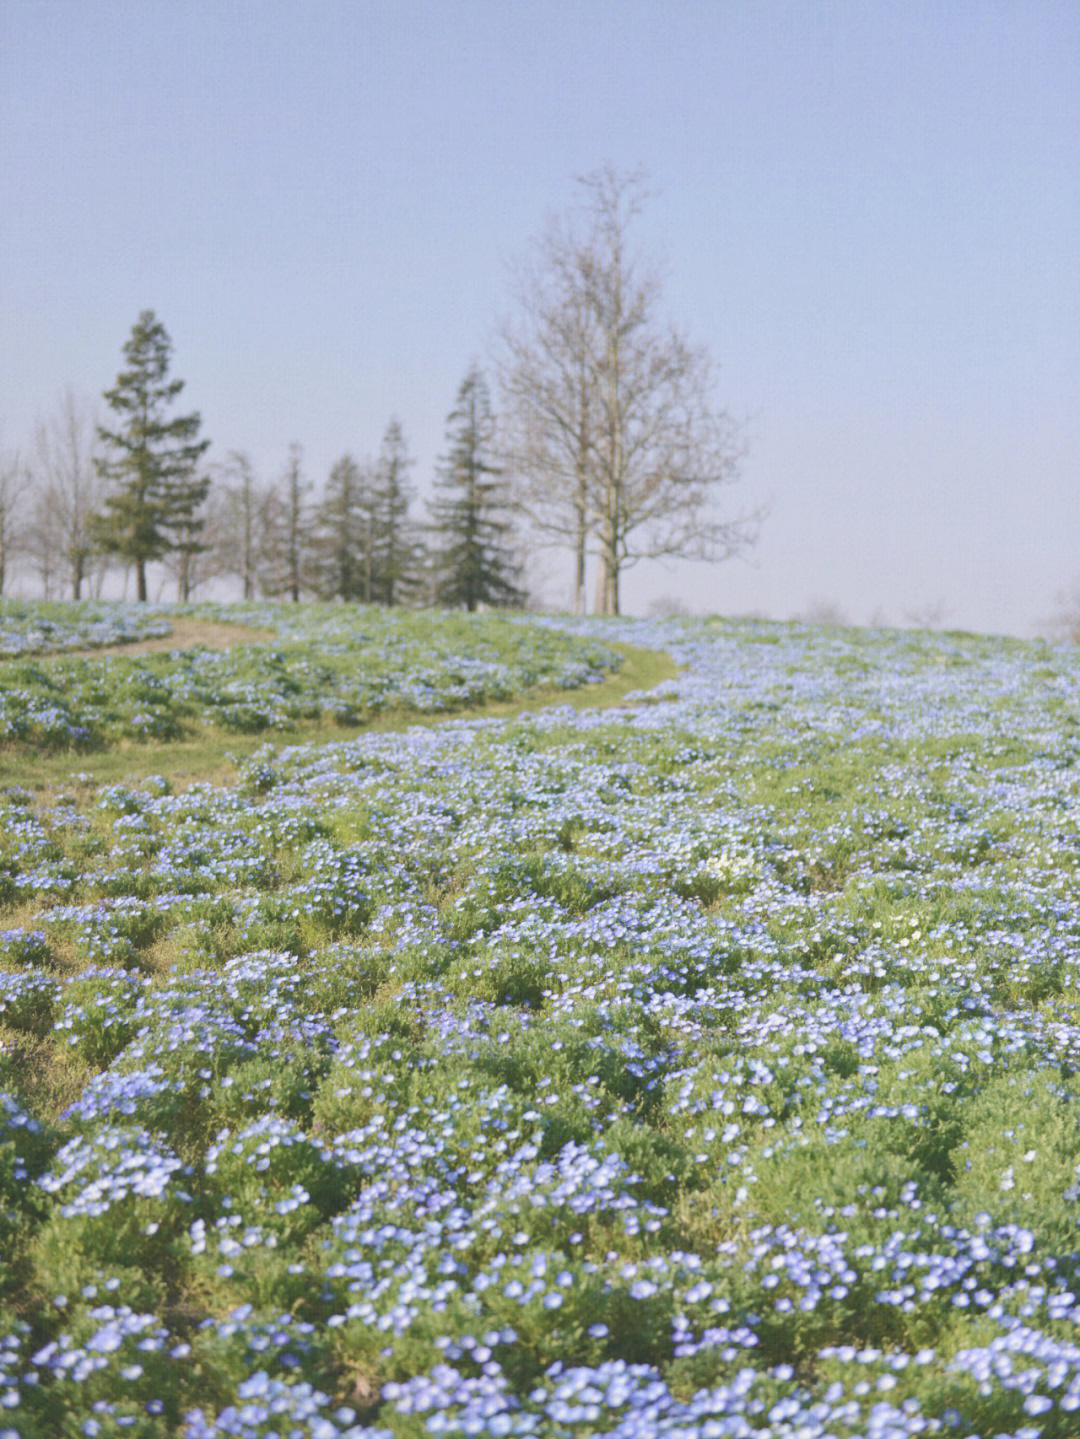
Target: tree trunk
612, 596
581, 493
607, 576
140, 580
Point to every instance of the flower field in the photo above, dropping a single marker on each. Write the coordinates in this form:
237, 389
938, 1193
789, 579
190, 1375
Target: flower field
31, 627
700, 1067
327, 664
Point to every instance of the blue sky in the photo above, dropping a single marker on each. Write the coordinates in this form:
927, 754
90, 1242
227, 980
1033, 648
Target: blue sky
869, 212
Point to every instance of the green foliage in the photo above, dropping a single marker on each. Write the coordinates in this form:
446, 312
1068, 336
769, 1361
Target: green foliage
152, 460
732, 1035
475, 558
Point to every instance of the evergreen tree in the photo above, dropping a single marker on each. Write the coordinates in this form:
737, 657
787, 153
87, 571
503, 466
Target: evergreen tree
345, 546
396, 552
151, 459
476, 559
184, 523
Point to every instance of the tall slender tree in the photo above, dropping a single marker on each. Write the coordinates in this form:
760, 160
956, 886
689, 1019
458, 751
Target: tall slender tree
470, 513
287, 532
546, 375
151, 459
344, 557
396, 549
68, 493
15, 484
238, 531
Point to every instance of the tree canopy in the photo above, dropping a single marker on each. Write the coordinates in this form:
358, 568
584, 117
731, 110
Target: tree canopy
471, 513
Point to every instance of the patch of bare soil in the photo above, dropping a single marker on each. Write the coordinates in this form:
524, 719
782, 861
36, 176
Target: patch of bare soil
186, 634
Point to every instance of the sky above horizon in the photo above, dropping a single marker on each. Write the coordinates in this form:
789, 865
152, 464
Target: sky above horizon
869, 213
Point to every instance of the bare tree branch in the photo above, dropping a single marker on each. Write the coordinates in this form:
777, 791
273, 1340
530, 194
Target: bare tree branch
615, 437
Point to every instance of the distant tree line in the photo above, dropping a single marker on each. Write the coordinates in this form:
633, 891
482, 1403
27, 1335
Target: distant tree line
136, 492
611, 446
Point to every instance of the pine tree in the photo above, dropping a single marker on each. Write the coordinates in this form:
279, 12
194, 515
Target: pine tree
152, 459
345, 547
476, 560
184, 524
396, 552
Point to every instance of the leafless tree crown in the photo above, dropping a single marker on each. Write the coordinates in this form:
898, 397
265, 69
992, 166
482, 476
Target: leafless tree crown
614, 438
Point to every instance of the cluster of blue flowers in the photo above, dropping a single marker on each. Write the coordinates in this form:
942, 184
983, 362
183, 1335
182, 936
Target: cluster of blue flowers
35, 627
702, 1067
343, 666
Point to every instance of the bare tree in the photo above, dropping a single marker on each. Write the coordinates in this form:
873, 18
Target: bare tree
927, 616
296, 490
287, 531
68, 494
545, 375
822, 611
237, 522
669, 607
42, 545
616, 436
15, 484
1064, 623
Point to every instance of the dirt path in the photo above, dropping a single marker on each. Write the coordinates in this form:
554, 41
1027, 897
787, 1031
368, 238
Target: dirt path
185, 634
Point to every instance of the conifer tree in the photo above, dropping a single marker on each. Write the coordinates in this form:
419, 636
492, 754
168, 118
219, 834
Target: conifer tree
345, 534
470, 512
151, 459
396, 562
184, 523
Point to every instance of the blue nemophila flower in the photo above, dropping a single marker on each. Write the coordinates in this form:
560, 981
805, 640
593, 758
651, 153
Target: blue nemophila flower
682, 1069
91, 1174
266, 1407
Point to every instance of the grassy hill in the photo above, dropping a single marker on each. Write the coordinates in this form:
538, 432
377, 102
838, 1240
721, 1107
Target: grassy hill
698, 1063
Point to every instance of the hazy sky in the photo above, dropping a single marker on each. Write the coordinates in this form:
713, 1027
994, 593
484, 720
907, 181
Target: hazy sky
868, 211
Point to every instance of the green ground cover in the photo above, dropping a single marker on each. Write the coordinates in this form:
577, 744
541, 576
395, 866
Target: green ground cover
31, 627
337, 666
705, 1065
